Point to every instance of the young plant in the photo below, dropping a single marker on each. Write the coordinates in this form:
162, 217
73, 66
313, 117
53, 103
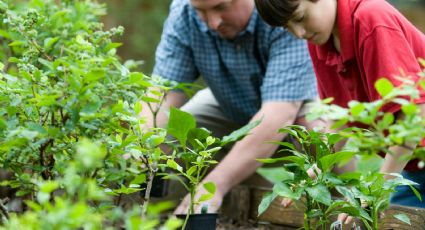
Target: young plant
373, 192
195, 149
380, 131
291, 180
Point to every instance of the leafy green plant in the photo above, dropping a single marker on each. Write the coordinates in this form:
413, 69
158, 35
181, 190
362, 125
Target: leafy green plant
291, 180
373, 192
195, 149
366, 194
381, 130
69, 117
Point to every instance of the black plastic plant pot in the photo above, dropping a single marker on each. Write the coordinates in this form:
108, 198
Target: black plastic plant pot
206, 221
159, 187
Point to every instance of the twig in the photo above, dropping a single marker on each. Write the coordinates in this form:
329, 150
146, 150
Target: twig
4, 211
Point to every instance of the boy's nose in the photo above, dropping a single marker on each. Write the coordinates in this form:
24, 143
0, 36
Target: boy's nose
299, 32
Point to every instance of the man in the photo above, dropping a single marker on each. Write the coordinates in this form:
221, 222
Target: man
252, 70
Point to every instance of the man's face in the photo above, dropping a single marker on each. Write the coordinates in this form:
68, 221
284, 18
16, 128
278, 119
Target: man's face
226, 17
314, 20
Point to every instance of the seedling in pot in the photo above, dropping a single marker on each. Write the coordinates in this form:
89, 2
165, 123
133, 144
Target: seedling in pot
195, 148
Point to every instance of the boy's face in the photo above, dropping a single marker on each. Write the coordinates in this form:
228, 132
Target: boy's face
314, 20
226, 17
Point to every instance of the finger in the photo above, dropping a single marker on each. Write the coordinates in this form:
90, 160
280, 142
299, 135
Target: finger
183, 206
348, 220
311, 174
286, 202
181, 209
342, 217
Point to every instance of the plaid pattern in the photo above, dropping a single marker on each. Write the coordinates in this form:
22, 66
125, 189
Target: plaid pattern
261, 64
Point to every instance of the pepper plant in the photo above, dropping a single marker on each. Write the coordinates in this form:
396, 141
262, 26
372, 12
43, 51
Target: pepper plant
291, 180
365, 195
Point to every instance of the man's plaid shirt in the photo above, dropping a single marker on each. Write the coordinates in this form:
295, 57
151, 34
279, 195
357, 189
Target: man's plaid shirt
261, 64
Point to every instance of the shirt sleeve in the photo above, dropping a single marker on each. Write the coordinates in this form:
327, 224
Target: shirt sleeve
289, 74
174, 57
386, 52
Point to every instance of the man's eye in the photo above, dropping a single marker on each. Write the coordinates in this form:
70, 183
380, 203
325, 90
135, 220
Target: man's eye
221, 7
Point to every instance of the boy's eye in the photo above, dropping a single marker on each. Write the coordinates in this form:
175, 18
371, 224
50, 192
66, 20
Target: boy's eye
299, 19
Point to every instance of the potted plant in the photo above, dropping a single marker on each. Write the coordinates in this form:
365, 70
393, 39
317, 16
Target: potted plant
195, 149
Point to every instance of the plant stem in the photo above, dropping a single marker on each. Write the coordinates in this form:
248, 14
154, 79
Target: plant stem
4, 212
147, 194
306, 218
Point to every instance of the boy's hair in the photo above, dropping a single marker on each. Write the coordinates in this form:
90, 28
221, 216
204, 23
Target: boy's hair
276, 12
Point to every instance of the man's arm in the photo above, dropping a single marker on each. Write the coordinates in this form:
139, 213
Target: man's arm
241, 162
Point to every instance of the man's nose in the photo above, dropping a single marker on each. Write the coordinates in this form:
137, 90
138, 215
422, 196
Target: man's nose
213, 21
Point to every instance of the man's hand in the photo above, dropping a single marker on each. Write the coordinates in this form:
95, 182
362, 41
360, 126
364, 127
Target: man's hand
213, 204
312, 172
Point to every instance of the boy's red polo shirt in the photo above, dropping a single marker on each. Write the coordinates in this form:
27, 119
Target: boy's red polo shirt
376, 41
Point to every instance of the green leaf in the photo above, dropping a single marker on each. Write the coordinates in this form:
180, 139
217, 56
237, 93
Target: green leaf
137, 107
95, 75
285, 144
328, 161
265, 202
357, 109
239, 133
172, 164
179, 125
90, 154
297, 160
338, 124
197, 134
49, 42
16, 43
139, 179
275, 175
409, 109
5, 34
283, 190
112, 45
191, 170
210, 187
320, 193
49, 186
384, 86
403, 218
387, 120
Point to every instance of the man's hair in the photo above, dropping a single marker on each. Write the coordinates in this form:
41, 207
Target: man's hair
276, 12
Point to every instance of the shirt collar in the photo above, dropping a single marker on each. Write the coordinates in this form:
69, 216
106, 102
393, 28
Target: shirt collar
345, 11
250, 28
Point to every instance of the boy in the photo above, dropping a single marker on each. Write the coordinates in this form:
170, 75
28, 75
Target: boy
352, 44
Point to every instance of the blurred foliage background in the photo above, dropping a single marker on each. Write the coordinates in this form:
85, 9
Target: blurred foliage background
143, 20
